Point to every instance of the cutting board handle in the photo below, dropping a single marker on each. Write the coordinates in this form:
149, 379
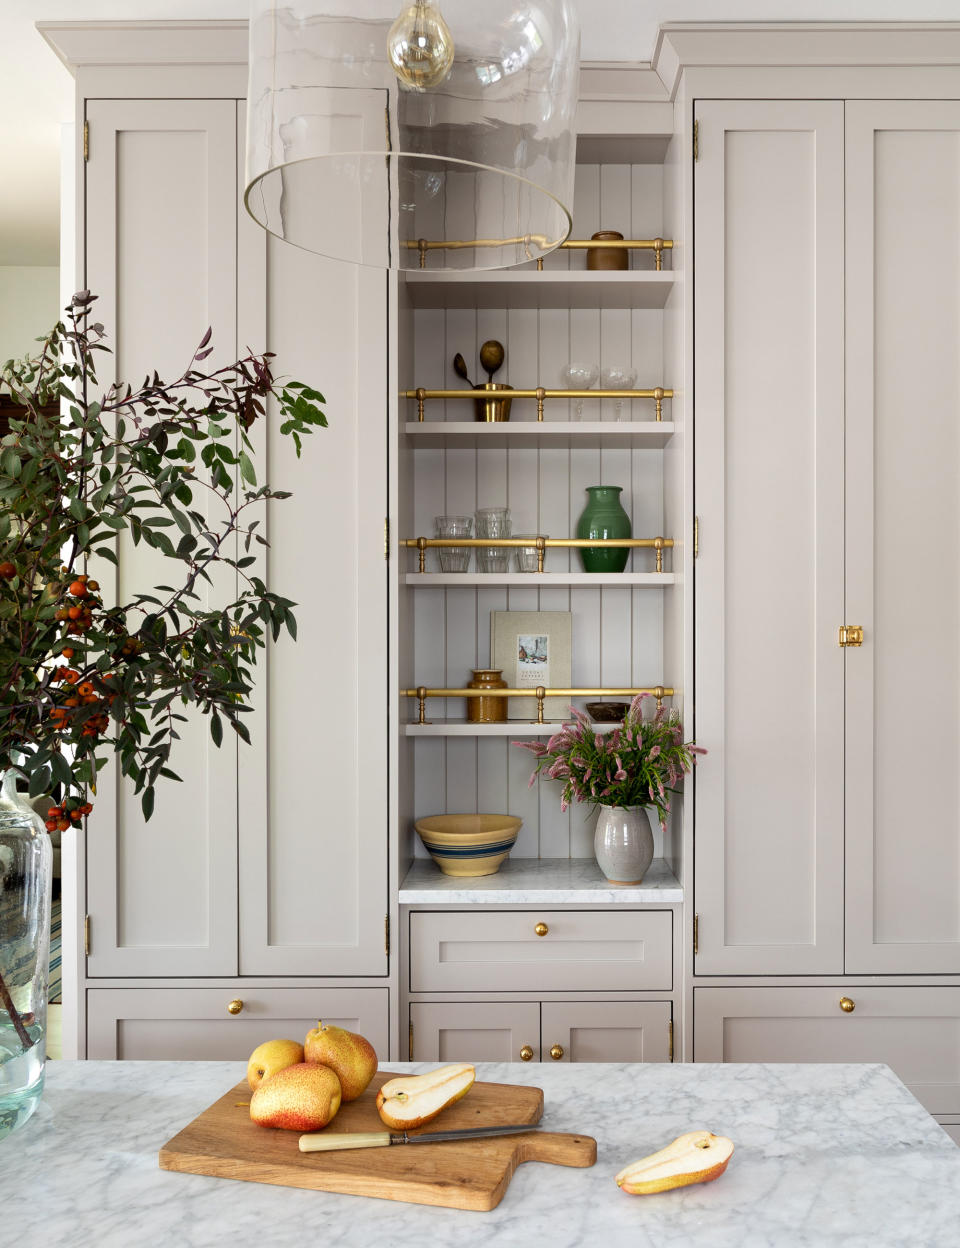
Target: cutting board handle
557, 1149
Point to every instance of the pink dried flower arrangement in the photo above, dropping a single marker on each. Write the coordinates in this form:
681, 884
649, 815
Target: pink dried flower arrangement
639, 763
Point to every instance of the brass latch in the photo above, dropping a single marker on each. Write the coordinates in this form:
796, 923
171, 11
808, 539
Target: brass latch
850, 635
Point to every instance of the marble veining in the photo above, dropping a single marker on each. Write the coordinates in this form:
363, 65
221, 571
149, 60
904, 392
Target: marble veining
538, 881
824, 1155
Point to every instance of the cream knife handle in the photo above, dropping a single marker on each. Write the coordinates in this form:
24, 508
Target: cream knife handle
319, 1142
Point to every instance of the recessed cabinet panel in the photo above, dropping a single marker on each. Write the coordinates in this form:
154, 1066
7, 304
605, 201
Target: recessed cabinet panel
903, 537
577, 951
162, 259
605, 1031
769, 575
195, 1024
468, 1031
916, 1031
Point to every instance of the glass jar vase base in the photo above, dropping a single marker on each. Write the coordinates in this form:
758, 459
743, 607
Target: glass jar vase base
21, 1076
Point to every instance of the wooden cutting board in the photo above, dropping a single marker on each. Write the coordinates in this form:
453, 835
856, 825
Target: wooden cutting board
472, 1174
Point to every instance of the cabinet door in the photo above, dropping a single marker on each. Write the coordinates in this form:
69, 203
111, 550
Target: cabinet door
903, 536
194, 1024
470, 1031
313, 788
161, 255
915, 1031
769, 577
605, 1031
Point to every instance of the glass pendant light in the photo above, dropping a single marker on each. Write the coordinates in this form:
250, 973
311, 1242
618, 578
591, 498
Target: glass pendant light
408, 134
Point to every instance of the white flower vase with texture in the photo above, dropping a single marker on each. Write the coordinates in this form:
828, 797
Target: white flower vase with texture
623, 843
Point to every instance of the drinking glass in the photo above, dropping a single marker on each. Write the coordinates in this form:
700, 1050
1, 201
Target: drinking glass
618, 377
454, 558
527, 555
493, 522
580, 377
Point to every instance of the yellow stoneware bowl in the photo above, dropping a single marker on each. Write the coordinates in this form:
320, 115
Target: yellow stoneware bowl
469, 844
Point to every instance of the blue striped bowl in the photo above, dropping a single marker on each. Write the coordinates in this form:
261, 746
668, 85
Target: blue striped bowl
466, 845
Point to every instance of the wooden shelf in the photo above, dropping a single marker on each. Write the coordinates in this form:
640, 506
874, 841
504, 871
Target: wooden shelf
567, 434
440, 727
537, 580
550, 288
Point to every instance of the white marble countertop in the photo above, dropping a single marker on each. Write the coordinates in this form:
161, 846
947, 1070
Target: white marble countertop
824, 1155
539, 882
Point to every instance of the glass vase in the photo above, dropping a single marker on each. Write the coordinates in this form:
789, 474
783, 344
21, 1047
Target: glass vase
603, 517
26, 876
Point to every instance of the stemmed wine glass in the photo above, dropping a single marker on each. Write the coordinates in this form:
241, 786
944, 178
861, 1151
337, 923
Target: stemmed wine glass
580, 377
618, 378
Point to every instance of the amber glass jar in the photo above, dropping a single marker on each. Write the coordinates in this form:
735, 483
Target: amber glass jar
487, 710
601, 259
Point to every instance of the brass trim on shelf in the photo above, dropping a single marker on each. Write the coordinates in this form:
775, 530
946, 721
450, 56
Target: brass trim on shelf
421, 693
657, 245
422, 544
541, 393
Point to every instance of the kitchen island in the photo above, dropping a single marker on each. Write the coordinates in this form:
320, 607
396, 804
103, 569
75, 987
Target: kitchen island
824, 1154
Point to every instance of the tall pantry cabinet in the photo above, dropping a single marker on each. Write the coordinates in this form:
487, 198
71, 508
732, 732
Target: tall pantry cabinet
255, 901
827, 460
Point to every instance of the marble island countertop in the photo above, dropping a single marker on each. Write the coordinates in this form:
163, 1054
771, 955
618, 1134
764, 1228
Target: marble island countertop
824, 1154
538, 882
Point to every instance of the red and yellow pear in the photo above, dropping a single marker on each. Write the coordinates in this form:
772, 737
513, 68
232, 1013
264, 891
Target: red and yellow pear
351, 1056
697, 1157
270, 1058
410, 1101
304, 1097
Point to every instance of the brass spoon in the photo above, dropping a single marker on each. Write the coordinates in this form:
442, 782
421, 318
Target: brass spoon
460, 368
491, 357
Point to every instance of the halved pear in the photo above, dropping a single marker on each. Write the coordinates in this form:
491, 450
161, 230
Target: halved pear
410, 1101
696, 1157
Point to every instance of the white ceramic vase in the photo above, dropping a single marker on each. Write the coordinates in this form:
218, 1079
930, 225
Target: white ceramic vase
623, 843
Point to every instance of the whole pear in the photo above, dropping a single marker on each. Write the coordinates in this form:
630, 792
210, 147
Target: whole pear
304, 1097
350, 1055
270, 1058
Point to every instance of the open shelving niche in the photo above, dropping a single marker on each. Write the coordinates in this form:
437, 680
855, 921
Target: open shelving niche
626, 629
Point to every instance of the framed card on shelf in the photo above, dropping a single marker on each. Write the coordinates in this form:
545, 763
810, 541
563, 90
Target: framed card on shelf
532, 648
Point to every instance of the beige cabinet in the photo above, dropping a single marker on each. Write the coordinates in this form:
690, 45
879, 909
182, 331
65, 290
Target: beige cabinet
914, 1030
225, 1022
561, 1031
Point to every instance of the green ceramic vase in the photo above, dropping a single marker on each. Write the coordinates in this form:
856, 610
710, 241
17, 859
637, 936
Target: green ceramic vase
604, 517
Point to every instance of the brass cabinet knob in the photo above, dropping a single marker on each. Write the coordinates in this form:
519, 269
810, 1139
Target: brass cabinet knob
847, 1005
235, 1006
526, 1053
541, 929
557, 1052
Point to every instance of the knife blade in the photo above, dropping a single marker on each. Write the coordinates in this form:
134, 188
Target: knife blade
320, 1141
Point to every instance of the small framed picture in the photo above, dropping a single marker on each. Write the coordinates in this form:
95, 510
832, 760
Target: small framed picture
532, 649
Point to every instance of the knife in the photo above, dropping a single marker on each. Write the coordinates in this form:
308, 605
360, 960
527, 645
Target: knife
320, 1141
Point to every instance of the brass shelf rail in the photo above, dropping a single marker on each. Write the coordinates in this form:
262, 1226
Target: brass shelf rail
541, 394
421, 693
423, 544
657, 245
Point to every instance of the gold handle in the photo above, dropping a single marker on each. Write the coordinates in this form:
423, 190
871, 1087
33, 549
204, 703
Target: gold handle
526, 1053
235, 1006
557, 1052
541, 929
847, 1005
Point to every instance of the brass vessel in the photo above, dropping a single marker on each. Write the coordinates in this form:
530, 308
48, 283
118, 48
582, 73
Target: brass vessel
607, 259
490, 409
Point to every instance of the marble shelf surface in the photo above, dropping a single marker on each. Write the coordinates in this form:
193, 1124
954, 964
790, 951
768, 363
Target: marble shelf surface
537, 881
824, 1155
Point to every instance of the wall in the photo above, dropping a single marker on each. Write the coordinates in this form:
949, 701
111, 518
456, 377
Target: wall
29, 306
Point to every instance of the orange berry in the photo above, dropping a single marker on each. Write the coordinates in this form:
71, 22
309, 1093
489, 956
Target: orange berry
7, 570
67, 652
85, 689
77, 589
74, 613
93, 586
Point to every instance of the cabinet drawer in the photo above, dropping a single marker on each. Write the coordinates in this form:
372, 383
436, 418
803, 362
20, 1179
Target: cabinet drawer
165, 1024
915, 1031
580, 951
470, 1031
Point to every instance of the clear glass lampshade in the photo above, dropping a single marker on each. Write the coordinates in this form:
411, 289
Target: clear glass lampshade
353, 155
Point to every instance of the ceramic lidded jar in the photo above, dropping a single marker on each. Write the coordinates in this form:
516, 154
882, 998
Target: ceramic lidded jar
604, 517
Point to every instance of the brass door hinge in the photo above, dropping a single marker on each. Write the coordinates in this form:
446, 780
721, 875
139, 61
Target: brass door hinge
386, 934
386, 537
86, 140
850, 635
670, 1035
696, 140
86, 935
410, 1043
696, 536
696, 933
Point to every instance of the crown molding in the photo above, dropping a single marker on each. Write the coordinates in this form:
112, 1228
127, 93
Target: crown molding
125, 43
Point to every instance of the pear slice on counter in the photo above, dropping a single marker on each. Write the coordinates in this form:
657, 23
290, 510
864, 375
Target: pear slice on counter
696, 1157
410, 1101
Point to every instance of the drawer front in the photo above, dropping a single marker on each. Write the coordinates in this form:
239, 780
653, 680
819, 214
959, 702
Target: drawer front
580, 951
194, 1024
915, 1031
467, 1031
